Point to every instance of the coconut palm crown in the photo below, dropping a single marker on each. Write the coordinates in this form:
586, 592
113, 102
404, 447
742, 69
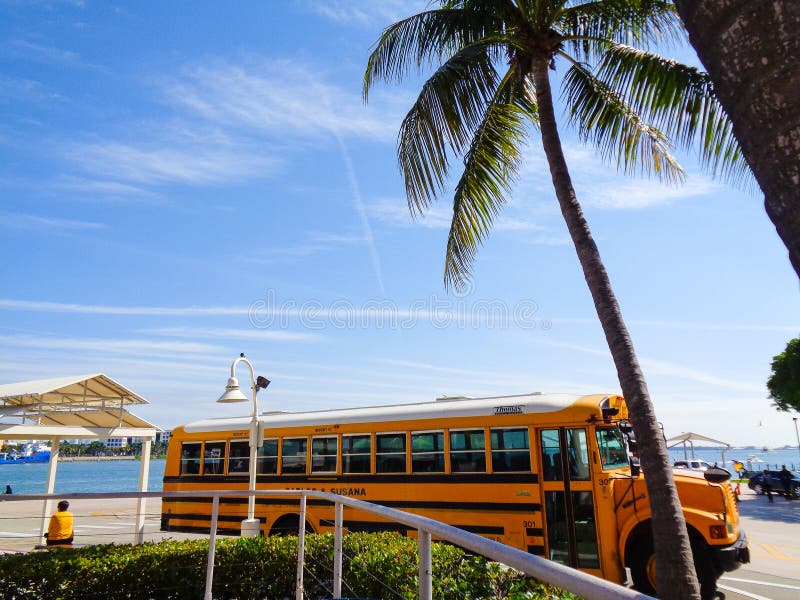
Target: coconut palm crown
491, 88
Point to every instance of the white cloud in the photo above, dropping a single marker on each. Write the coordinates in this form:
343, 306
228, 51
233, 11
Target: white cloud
96, 309
172, 161
279, 96
145, 347
47, 54
639, 194
39, 223
367, 13
223, 333
315, 244
100, 189
654, 367
687, 325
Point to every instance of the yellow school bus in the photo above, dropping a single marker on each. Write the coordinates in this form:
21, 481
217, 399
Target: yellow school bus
551, 474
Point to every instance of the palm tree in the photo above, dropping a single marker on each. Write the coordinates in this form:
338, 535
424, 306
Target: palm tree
492, 87
752, 52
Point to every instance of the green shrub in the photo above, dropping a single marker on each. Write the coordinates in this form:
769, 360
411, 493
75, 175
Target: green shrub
377, 565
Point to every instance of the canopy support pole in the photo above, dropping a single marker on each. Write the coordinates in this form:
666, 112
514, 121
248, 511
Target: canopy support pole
47, 506
141, 504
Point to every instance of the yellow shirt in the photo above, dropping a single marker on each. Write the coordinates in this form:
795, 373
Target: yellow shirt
60, 526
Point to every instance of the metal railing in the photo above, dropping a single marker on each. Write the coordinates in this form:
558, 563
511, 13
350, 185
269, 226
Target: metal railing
572, 580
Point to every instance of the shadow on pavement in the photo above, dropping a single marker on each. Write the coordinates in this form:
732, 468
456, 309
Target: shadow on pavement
779, 510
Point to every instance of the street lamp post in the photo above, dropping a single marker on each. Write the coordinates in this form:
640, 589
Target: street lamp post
251, 525
796, 433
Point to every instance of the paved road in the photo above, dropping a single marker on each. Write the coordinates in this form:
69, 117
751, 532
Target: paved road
773, 531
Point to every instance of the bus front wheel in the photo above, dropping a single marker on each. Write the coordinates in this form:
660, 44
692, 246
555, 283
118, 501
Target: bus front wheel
643, 568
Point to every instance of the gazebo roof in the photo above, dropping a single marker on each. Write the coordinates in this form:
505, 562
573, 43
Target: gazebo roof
691, 437
70, 407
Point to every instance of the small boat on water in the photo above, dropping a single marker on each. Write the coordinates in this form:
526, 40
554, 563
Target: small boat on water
30, 453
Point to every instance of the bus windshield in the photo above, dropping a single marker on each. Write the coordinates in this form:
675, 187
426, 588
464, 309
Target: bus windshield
611, 444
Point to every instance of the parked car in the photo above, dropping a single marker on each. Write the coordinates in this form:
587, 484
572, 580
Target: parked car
692, 465
756, 483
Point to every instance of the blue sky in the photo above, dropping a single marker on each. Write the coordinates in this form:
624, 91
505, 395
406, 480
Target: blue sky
185, 181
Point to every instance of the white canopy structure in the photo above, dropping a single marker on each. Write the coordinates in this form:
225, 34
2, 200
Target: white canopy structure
690, 438
86, 406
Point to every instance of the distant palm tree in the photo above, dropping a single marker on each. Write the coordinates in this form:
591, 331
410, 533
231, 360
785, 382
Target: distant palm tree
491, 87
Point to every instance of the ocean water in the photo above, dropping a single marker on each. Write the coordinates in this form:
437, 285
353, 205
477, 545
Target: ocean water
123, 475
83, 476
754, 459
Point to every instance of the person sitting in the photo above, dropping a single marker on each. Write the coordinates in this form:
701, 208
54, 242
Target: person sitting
59, 533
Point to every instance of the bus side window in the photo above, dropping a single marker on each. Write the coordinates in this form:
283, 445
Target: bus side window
356, 453
190, 458
427, 452
267, 458
390, 453
238, 458
293, 459
551, 456
510, 450
213, 458
324, 451
467, 451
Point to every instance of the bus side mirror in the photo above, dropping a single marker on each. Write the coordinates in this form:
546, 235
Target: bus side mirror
716, 475
635, 467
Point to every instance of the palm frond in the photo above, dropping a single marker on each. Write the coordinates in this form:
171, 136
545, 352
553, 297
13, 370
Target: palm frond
449, 108
422, 38
490, 167
605, 119
588, 27
680, 101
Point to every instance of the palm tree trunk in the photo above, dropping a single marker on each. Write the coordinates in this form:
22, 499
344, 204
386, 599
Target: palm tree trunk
751, 50
675, 574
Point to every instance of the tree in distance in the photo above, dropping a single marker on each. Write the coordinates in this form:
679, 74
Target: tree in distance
490, 88
784, 383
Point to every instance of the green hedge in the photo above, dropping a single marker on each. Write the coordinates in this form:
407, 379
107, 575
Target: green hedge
263, 568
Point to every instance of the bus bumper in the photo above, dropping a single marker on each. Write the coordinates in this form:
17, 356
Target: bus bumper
732, 557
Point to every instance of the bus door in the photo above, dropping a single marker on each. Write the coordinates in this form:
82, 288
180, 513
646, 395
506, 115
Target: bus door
567, 498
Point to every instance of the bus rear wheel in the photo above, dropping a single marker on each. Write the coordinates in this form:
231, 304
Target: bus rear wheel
288, 525
643, 568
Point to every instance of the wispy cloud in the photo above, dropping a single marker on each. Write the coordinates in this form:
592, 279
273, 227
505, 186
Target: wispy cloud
686, 325
316, 243
125, 346
277, 96
104, 190
176, 160
598, 186
36, 222
639, 194
531, 231
665, 368
233, 122
17, 89
244, 334
96, 309
49, 54
367, 12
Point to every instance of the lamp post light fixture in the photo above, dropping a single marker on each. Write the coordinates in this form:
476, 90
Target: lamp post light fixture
251, 525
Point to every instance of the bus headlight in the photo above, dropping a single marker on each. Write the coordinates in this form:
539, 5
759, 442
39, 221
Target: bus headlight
718, 532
